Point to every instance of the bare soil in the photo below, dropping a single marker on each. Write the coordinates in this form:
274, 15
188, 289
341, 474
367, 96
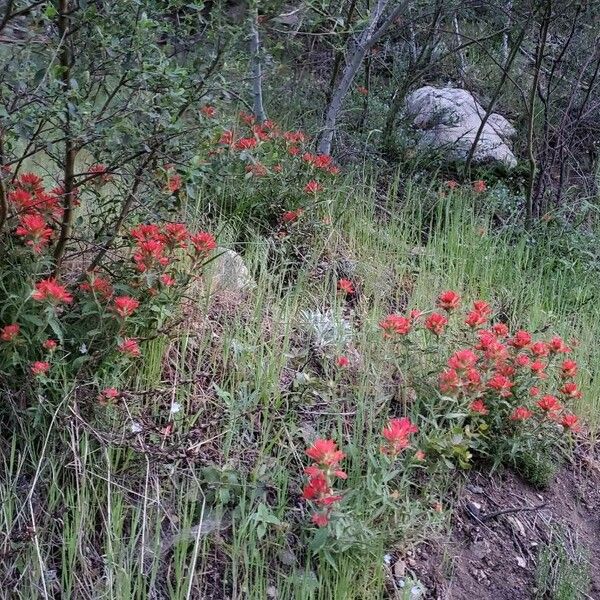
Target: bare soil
487, 557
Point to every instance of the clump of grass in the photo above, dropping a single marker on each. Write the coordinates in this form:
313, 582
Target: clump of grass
563, 570
536, 468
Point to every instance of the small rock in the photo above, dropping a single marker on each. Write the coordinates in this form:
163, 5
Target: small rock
228, 272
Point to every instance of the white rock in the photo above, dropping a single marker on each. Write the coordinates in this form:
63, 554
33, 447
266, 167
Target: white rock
449, 119
228, 272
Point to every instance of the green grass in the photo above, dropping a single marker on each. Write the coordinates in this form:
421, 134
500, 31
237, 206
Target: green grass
83, 517
563, 569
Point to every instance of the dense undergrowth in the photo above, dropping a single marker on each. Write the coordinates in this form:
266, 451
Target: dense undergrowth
180, 473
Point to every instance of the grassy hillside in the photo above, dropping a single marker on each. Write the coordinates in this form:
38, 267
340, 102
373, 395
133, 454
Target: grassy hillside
190, 486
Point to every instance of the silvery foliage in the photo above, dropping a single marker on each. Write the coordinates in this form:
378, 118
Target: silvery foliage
326, 329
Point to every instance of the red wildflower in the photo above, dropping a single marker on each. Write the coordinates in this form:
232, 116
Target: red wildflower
176, 235
333, 170
313, 187
34, 230
537, 368
322, 161
397, 433
462, 360
167, 280
521, 339
451, 184
346, 286
556, 345
108, 394
505, 369
247, 118
420, 455
294, 137
522, 360
478, 406
101, 172
203, 243
320, 519
482, 306
174, 183
257, 169
29, 181
448, 300
534, 391
40, 367
475, 319
50, 290
289, 216
49, 345
479, 186
540, 349
125, 306
571, 390
415, 313
436, 323
486, 340
395, 325
97, 285
343, 361
325, 453
521, 413
9, 332
500, 329
501, 384
568, 368
226, 138
146, 232
570, 422
549, 403
208, 111
449, 382
245, 143
129, 347
361, 89
308, 157
150, 253
278, 168
472, 379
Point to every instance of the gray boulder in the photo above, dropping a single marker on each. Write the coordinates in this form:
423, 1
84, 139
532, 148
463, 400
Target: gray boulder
448, 120
228, 272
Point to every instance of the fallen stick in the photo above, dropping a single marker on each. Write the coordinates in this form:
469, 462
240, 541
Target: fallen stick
507, 511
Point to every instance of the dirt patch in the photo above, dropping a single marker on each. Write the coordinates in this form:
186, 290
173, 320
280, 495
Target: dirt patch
492, 550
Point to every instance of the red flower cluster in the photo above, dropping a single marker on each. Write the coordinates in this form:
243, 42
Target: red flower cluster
9, 332
36, 209
49, 290
155, 246
394, 325
397, 435
346, 286
40, 367
101, 172
496, 366
125, 306
129, 347
321, 475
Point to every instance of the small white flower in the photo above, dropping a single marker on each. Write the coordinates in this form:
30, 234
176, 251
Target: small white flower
387, 559
83, 349
175, 408
136, 427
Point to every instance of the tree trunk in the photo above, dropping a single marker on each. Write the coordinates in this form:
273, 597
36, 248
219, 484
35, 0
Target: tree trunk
366, 40
65, 60
258, 107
